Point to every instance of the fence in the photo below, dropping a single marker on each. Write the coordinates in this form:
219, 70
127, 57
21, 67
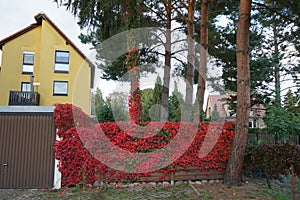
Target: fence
180, 174
258, 138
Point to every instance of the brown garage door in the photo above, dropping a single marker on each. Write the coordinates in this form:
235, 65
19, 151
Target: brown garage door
26, 156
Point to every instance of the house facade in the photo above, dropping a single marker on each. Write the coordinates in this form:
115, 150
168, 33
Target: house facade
219, 104
41, 66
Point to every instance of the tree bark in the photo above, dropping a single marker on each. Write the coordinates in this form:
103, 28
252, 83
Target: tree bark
203, 54
234, 169
276, 68
187, 111
167, 67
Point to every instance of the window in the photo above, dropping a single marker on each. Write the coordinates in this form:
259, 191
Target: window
28, 61
60, 88
250, 124
26, 87
62, 61
253, 124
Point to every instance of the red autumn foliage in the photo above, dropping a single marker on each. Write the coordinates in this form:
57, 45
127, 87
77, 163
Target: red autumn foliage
132, 62
79, 164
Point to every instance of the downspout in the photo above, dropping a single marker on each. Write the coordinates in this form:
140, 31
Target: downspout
31, 83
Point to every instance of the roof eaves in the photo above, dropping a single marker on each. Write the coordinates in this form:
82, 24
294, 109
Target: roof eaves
17, 34
42, 15
39, 17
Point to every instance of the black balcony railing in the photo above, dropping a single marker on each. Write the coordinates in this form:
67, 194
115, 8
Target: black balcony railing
24, 98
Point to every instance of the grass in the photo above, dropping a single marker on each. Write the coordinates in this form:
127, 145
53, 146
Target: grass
184, 192
208, 197
175, 192
281, 190
278, 196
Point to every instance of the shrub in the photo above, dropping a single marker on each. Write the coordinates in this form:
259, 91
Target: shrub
273, 159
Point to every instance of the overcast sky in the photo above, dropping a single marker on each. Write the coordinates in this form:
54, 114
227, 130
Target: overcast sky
18, 14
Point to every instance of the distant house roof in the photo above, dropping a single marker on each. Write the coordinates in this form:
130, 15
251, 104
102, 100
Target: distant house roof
258, 110
219, 101
42, 16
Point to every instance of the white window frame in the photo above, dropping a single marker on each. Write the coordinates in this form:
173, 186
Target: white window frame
60, 88
253, 124
61, 66
27, 67
25, 87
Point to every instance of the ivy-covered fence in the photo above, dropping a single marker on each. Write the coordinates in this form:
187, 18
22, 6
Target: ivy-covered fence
80, 164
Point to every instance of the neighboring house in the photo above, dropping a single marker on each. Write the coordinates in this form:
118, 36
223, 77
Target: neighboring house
219, 104
41, 66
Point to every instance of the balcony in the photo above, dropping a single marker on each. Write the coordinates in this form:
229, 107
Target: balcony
17, 98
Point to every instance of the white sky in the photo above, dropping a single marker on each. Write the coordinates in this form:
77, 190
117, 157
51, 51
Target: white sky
18, 14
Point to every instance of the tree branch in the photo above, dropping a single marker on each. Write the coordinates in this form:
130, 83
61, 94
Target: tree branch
178, 11
178, 41
277, 12
181, 50
179, 60
156, 13
222, 11
161, 44
293, 86
183, 4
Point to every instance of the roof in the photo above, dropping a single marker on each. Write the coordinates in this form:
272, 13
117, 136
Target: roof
219, 101
39, 17
258, 110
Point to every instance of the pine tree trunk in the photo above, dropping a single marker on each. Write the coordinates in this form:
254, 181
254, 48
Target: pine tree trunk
167, 67
277, 68
234, 169
203, 54
187, 111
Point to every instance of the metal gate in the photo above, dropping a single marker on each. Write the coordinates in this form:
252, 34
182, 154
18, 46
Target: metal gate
26, 139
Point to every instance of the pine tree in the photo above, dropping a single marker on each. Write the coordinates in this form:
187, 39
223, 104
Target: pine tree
234, 169
175, 105
102, 108
215, 115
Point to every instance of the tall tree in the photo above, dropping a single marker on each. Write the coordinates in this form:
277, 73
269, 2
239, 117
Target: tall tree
191, 61
266, 66
167, 66
234, 169
279, 18
203, 54
162, 10
186, 11
104, 19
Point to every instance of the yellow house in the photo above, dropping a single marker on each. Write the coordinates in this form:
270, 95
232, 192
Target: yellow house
42, 66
